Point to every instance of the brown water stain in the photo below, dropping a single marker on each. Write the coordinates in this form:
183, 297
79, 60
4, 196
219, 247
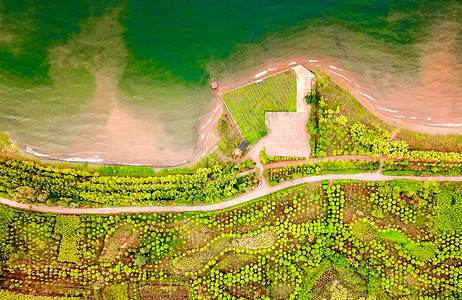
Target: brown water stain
120, 136
439, 94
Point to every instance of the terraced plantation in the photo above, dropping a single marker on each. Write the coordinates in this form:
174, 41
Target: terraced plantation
340, 240
249, 103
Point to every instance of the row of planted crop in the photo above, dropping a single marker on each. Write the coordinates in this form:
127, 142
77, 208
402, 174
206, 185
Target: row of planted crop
25, 180
278, 175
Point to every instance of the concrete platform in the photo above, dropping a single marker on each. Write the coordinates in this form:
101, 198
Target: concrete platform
287, 134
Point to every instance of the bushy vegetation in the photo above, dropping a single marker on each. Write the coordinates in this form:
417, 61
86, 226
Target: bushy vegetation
278, 175
6, 295
69, 229
117, 291
421, 168
249, 103
126, 170
342, 126
209, 181
346, 240
264, 159
229, 135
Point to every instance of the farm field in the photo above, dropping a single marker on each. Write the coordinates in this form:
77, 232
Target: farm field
356, 240
249, 103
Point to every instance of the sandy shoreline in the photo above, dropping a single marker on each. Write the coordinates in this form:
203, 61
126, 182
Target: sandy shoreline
392, 115
124, 140
122, 127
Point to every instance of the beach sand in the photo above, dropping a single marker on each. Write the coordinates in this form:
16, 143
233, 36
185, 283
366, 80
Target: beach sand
438, 96
121, 137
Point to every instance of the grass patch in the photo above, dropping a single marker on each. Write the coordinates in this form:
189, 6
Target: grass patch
220, 243
126, 171
364, 230
192, 262
149, 290
265, 160
448, 211
428, 142
4, 140
312, 276
6, 295
260, 240
249, 103
116, 292
423, 251
235, 261
122, 239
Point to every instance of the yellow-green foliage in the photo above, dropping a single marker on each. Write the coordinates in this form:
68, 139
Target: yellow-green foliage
191, 262
344, 127
116, 292
3, 140
292, 244
364, 230
69, 228
212, 180
6, 295
123, 238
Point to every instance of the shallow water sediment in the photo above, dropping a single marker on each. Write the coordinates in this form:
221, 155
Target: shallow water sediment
152, 100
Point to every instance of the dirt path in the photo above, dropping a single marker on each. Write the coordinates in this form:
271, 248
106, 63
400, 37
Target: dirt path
256, 193
254, 154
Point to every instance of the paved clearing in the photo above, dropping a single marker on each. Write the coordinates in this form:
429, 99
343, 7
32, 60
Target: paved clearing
287, 134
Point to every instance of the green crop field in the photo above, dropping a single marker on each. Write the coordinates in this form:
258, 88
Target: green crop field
249, 103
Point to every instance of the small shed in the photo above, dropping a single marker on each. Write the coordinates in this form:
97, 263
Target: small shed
241, 148
214, 85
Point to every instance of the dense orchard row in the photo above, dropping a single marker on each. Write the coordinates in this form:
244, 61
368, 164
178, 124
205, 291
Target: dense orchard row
264, 159
398, 239
421, 168
289, 172
212, 181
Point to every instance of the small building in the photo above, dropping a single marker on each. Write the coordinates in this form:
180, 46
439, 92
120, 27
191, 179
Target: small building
214, 85
244, 145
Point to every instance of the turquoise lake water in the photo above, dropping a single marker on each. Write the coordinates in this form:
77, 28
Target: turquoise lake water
65, 64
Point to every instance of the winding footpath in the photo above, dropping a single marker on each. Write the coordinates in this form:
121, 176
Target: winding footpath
263, 190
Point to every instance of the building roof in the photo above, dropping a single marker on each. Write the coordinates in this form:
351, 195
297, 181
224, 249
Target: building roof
214, 85
243, 145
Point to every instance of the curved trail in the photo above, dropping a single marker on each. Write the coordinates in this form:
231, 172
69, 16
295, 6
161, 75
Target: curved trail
256, 193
